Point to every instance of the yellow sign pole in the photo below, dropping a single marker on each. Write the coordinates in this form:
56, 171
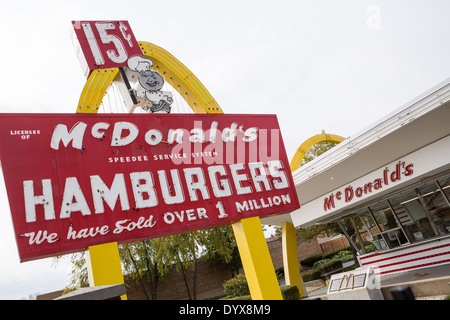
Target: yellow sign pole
104, 268
290, 257
258, 267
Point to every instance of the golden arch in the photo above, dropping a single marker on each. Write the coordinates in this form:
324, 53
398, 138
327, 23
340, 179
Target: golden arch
174, 72
305, 146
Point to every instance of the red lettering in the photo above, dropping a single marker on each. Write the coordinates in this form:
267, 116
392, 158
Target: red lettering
408, 170
385, 176
395, 175
348, 194
377, 184
358, 192
328, 203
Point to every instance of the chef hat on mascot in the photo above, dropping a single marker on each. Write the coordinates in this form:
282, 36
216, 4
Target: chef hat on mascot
139, 63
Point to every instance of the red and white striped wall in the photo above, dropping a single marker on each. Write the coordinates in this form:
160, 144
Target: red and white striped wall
416, 256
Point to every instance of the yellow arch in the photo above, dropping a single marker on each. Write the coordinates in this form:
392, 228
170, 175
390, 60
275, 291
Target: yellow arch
174, 72
305, 146
96, 85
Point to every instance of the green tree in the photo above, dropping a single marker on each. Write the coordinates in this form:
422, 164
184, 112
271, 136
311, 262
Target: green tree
221, 246
78, 274
145, 261
316, 150
149, 261
317, 230
186, 250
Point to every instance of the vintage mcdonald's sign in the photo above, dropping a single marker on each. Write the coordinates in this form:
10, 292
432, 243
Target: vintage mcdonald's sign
79, 180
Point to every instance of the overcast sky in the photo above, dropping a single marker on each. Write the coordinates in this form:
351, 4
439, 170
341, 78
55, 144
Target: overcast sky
333, 65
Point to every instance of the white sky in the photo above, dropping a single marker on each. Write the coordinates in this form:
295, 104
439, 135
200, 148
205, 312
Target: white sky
317, 64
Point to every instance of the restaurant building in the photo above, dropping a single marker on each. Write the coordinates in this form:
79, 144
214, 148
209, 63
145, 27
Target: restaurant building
388, 187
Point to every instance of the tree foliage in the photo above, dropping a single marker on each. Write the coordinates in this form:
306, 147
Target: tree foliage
78, 274
149, 262
144, 262
221, 246
314, 231
186, 250
316, 150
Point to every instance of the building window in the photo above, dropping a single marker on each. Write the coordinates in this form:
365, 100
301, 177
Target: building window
371, 229
410, 216
443, 204
383, 227
424, 211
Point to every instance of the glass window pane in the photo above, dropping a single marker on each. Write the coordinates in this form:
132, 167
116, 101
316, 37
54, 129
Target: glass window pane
393, 234
351, 232
423, 211
442, 205
370, 231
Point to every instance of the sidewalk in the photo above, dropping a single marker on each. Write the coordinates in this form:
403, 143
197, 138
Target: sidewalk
426, 284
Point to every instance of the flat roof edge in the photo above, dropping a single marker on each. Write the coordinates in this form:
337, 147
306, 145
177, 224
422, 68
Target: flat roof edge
408, 112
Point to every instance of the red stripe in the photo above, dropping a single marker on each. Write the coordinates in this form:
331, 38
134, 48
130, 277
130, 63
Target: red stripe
416, 266
400, 255
371, 256
416, 259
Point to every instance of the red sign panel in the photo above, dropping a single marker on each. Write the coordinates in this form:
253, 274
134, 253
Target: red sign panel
105, 44
79, 180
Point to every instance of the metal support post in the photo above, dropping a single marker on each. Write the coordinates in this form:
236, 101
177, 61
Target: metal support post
104, 266
290, 258
258, 267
